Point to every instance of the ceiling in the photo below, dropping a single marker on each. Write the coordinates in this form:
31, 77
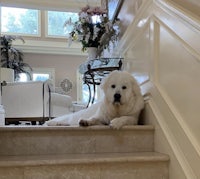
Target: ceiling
51, 4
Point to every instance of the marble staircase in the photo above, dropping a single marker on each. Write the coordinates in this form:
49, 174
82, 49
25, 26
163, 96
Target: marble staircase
96, 152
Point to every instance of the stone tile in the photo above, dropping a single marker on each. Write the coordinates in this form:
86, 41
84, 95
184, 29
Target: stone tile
135, 170
121, 141
38, 140
11, 173
63, 172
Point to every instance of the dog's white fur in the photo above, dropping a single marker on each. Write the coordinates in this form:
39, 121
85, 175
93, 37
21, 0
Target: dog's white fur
121, 104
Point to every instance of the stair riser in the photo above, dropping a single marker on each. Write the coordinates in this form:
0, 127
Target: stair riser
128, 170
41, 142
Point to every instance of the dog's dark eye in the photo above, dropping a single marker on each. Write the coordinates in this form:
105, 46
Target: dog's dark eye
112, 86
123, 87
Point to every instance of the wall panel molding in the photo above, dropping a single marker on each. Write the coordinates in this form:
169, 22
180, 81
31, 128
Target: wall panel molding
182, 28
138, 26
50, 47
171, 138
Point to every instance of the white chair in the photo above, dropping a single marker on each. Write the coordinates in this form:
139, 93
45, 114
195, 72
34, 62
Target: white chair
34, 101
60, 104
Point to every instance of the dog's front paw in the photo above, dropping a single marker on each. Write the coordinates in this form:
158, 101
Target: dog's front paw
51, 123
55, 123
83, 123
116, 123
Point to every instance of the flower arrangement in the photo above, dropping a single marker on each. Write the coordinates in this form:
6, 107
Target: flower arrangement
93, 29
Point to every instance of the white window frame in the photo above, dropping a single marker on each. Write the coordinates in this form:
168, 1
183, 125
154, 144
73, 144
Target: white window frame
46, 44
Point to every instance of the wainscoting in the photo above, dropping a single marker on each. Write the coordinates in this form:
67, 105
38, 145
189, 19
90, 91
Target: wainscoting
163, 43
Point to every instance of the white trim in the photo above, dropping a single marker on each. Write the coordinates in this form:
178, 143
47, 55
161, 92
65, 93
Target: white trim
46, 44
172, 141
74, 5
175, 10
187, 46
49, 47
175, 23
185, 29
179, 119
190, 47
170, 120
128, 38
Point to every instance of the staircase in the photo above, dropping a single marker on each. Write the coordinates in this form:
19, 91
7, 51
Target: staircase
96, 152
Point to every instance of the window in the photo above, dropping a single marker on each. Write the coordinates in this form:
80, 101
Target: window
56, 21
20, 21
29, 22
40, 74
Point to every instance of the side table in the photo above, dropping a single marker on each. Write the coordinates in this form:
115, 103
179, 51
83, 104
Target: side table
94, 70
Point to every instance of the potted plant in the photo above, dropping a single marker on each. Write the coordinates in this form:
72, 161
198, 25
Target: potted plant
93, 29
12, 58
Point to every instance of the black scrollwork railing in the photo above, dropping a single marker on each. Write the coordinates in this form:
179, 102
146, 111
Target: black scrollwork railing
95, 70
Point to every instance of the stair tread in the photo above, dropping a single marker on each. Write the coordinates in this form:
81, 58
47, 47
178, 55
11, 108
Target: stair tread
73, 128
7, 161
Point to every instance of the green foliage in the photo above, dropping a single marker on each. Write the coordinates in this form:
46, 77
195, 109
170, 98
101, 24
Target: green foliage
12, 57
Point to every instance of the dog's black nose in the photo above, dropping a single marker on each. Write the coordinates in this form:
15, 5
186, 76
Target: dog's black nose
117, 97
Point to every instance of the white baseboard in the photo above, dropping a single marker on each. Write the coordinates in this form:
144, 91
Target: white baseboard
176, 138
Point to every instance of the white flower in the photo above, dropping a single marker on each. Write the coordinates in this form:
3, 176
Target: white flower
98, 33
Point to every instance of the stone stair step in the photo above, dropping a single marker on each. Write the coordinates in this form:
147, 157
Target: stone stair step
44, 140
138, 165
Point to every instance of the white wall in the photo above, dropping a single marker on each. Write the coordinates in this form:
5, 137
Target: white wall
51, 4
163, 42
65, 66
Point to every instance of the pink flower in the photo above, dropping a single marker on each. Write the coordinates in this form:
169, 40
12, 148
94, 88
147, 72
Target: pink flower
93, 10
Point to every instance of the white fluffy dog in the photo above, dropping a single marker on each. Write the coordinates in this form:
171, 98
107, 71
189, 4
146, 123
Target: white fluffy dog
121, 104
